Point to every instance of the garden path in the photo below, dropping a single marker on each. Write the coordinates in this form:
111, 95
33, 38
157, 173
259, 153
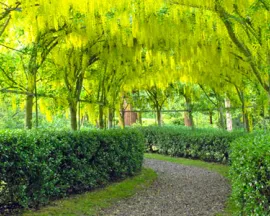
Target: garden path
179, 191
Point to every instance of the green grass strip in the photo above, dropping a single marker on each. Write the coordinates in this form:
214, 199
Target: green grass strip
214, 167
90, 203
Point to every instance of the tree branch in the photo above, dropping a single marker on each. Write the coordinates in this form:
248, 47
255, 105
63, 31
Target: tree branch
3, 45
11, 79
215, 104
267, 7
5, 25
242, 48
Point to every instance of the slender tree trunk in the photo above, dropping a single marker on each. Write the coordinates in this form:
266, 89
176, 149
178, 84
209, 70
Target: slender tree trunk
188, 119
100, 117
228, 115
105, 122
29, 105
211, 118
188, 115
110, 118
79, 116
246, 119
159, 118
73, 115
122, 111
30, 99
36, 102
29, 111
244, 115
122, 118
221, 118
122, 115
84, 119
247, 122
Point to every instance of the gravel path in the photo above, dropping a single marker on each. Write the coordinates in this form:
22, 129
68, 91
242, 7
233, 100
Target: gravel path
178, 191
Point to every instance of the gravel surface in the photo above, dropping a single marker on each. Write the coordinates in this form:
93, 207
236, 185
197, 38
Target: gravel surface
178, 191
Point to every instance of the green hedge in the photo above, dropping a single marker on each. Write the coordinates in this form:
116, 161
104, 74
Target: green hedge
250, 174
205, 144
36, 167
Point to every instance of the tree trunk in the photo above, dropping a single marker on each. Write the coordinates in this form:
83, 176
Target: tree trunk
246, 122
30, 100
105, 122
122, 112
122, 118
29, 111
211, 117
188, 119
110, 118
84, 119
188, 115
79, 116
228, 115
221, 118
100, 117
73, 115
159, 120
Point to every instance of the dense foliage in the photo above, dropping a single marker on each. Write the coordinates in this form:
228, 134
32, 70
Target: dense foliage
208, 145
82, 58
38, 166
250, 174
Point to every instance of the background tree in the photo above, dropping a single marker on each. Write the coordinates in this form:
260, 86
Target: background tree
157, 97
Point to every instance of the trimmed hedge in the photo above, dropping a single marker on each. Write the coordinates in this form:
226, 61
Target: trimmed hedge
36, 167
208, 145
250, 174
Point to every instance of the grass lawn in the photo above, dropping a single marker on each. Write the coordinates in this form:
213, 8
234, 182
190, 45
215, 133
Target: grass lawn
219, 168
90, 203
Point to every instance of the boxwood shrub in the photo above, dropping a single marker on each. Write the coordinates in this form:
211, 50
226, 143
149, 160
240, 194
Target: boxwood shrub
208, 145
250, 174
36, 167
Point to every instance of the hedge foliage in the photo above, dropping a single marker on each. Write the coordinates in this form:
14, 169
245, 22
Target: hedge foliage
250, 174
205, 144
38, 166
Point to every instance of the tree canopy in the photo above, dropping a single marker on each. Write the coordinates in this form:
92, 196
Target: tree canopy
95, 52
